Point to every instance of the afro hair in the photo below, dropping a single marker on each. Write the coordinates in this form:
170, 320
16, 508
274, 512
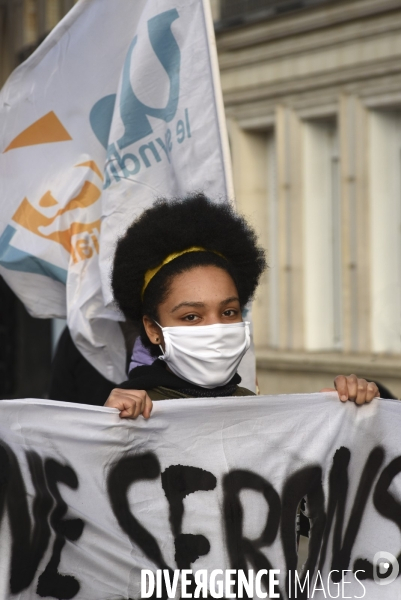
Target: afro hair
171, 226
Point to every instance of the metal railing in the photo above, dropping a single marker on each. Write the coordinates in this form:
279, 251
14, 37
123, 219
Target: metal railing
236, 12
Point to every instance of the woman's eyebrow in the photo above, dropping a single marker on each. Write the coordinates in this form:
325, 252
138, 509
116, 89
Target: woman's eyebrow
194, 304
228, 300
189, 303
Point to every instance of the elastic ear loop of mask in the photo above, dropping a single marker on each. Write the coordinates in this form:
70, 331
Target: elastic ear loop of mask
158, 324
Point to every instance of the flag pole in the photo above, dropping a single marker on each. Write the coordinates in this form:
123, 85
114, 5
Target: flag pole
219, 103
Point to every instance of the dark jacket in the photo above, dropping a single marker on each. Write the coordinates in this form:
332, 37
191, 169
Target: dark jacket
73, 379
161, 384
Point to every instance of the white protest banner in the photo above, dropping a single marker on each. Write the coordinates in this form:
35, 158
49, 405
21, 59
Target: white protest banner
119, 105
89, 502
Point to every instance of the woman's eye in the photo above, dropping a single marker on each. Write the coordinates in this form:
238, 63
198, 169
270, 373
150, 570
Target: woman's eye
190, 318
230, 312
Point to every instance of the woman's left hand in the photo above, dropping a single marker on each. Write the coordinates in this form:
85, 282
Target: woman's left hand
352, 388
130, 403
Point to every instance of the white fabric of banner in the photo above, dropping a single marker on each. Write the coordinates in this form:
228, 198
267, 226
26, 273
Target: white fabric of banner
121, 104
88, 499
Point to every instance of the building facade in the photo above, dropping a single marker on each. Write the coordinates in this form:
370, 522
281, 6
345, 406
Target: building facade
312, 90
23, 25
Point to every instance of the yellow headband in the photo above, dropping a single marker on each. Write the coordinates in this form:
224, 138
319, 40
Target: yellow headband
150, 273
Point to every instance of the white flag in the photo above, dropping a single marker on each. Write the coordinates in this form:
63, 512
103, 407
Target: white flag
120, 105
165, 136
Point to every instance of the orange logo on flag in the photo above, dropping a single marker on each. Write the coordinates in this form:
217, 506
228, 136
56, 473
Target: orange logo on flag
78, 238
46, 130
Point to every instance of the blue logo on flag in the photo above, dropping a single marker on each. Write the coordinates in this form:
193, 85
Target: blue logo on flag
134, 113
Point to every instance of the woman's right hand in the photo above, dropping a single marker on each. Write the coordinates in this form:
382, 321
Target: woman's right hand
130, 403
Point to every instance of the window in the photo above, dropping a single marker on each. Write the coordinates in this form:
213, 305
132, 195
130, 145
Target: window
273, 248
385, 229
322, 236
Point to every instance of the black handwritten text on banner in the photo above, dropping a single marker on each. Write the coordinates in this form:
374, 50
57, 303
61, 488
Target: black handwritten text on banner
88, 500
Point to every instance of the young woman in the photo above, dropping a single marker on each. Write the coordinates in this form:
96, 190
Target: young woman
185, 270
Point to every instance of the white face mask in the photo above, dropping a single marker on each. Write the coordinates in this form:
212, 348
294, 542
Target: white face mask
206, 355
